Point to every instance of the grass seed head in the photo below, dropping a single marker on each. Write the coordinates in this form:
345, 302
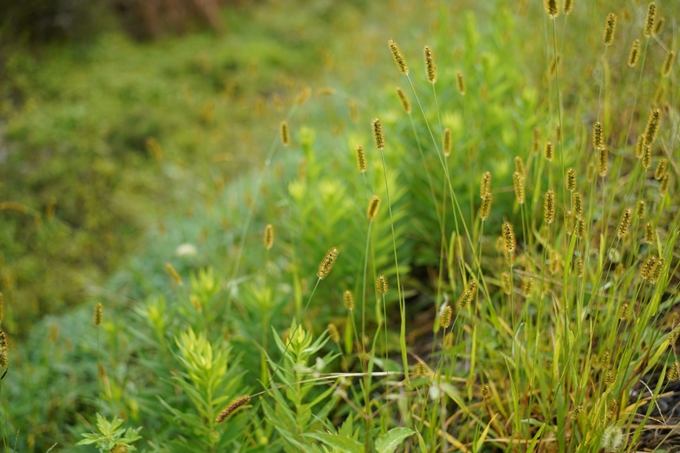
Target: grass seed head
668, 63
460, 83
485, 209
640, 146
663, 184
348, 299
658, 27
634, 54
519, 166
285, 133
327, 263
612, 407
235, 404
172, 272
4, 350
570, 182
652, 126
361, 159
549, 207
405, 101
648, 267
580, 228
650, 234
98, 314
373, 207
518, 183
509, 237
378, 135
382, 285
661, 169
446, 145
486, 391
485, 186
568, 7
672, 373
624, 223
551, 8
268, 236
609, 29
623, 312
578, 266
598, 140
430, 66
575, 411
527, 286
640, 209
674, 335
333, 333
569, 225
655, 272
558, 133
445, 319
549, 151
398, 57
646, 160
420, 369
650, 20
602, 161
507, 283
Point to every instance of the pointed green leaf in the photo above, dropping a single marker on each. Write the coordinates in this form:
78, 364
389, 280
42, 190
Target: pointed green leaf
389, 441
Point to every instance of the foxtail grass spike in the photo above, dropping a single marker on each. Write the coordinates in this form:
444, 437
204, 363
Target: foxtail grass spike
597, 135
445, 319
348, 299
634, 54
527, 286
549, 151
640, 209
378, 135
646, 160
568, 7
361, 159
518, 183
268, 236
652, 127
382, 285
485, 209
650, 234
668, 63
640, 147
405, 101
577, 203
656, 272
578, 266
468, 295
460, 83
373, 207
603, 161
672, 373
507, 283
485, 186
580, 228
648, 31
486, 391
609, 29
509, 237
549, 207
648, 267
658, 27
519, 166
285, 134
661, 169
569, 222
327, 263
570, 182
235, 404
172, 272
98, 314
624, 223
333, 333
663, 184
623, 312
446, 145
430, 66
4, 350
398, 57
551, 8
558, 133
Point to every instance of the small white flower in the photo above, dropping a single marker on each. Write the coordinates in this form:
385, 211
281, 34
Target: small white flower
186, 250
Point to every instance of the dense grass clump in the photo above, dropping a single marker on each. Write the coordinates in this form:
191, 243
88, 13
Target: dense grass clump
484, 261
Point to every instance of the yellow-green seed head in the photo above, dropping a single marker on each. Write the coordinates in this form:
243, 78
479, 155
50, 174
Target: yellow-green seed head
602, 161
378, 135
650, 233
430, 66
577, 203
285, 133
661, 169
382, 285
609, 29
4, 350
519, 166
672, 373
568, 6
650, 20
598, 139
485, 186
507, 283
623, 312
551, 8
663, 184
578, 266
549, 151
569, 222
518, 184
98, 314
268, 236
361, 159
570, 182
446, 142
235, 404
624, 223
549, 207
460, 83
327, 263
634, 54
373, 207
656, 271
580, 228
348, 299
398, 57
652, 126
668, 64
485, 209
333, 333
527, 286
640, 147
646, 160
509, 237
558, 133
648, 267
445, 319
658, 27
405, 101
486, 391
640, 209
172, 272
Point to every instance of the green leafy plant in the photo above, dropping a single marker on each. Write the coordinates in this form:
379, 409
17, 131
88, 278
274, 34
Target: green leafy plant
111, 436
